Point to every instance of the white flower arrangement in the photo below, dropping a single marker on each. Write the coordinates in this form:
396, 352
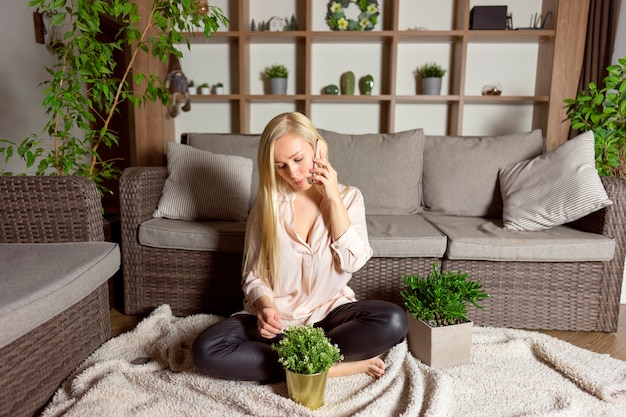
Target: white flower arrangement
337, 20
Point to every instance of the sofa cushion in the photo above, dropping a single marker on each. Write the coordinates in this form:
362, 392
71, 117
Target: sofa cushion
229, 144
461, 173
555, 188
387, 168
478, 238
202, 185
215, 236
41, 280
401, 236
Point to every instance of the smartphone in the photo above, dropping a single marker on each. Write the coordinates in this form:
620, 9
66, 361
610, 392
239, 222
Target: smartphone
310, 179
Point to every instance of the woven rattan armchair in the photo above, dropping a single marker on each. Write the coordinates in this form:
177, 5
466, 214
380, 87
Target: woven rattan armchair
50, 210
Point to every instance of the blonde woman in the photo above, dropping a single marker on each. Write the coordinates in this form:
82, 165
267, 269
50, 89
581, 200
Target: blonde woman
305, 236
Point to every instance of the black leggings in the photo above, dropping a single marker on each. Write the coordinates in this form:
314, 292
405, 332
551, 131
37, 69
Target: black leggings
234, 349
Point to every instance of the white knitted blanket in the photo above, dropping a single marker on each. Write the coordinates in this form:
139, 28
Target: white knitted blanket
512, 373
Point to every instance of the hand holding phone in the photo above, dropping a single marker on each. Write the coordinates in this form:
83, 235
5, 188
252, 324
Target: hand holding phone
310, 179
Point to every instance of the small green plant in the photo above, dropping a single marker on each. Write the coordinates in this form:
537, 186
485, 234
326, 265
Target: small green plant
277, 71
219, 85
204, 85
306, 350
603, 110
442, 298
431, 70
191, 83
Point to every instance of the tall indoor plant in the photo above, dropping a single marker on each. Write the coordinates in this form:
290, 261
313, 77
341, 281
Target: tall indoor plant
440, 333
306, 355
603, 110
82, 94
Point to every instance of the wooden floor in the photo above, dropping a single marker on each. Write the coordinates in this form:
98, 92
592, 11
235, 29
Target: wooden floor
613, 344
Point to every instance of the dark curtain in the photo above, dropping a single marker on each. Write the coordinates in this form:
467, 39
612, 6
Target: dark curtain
601, 29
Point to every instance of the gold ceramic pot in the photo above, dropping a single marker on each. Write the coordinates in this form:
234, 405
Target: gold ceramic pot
307, 390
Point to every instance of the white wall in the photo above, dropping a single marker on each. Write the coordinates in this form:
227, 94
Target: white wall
22, 69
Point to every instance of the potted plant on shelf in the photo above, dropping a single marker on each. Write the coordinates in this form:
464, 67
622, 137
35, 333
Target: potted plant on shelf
191, 88
219, 88
306, 355
83, 92
277, 75
431, 74
603, 110
204, 88
440, 334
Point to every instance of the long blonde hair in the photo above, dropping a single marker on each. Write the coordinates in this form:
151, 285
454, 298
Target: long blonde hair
265, 210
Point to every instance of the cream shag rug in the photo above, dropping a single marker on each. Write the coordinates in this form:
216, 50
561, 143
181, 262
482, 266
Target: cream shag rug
512, 373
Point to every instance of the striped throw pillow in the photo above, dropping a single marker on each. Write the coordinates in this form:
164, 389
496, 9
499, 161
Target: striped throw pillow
202, 185
557, 187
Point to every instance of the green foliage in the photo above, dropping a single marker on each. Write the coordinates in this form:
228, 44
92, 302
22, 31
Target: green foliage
204, 85
442, 298
431, 70
82, 88
306, 350
603, 110
277, 71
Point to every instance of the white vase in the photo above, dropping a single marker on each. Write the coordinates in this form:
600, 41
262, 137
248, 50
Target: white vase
278, 85
431, 86
205, 90
440, 347
192, 90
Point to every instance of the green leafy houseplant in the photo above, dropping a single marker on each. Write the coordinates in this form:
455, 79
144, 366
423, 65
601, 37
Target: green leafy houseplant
306, 350
603, 110
442, 298
82, 93
431, 70
277, 71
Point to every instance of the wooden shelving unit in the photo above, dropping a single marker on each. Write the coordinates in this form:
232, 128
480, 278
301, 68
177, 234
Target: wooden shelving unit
558, 63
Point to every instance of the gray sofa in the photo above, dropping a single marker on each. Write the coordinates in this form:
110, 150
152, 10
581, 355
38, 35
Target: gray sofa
54, 303
429, 199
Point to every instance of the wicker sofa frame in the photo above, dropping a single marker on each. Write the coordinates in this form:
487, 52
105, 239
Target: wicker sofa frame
533, 295
50, 210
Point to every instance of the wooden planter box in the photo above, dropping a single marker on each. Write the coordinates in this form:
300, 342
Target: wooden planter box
440, 347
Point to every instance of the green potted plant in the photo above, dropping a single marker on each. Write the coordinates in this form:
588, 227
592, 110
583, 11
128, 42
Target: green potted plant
603, 110
306, 354
440, 334
83, 93
277, 75
191, 88
204, 88
219, 88
430, 74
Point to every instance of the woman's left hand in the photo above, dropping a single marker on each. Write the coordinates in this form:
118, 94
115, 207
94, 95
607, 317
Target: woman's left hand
324, 175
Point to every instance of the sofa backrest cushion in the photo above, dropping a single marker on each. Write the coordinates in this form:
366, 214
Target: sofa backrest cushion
229, 144
203, 185
461, 173
555, 188
387, 168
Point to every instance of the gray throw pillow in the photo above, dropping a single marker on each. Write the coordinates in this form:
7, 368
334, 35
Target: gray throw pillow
202, 185
555, 188
387, 168
461, 173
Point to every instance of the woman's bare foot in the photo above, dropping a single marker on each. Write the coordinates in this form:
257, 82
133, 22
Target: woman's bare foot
374, 367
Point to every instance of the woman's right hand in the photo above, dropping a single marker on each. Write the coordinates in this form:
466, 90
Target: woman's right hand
268, 322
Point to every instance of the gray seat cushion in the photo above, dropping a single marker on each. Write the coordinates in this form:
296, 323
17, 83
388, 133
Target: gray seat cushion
41, 280
215, 236
478, 238
396, 236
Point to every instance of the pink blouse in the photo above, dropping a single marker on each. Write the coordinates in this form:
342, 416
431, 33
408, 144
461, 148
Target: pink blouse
313, 276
